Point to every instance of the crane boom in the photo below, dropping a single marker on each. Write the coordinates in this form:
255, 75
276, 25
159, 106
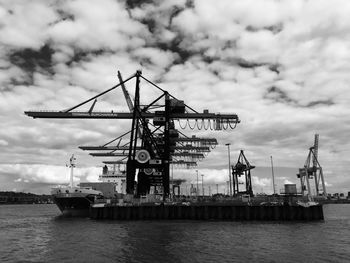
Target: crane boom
228, 118
128, 100
126, 93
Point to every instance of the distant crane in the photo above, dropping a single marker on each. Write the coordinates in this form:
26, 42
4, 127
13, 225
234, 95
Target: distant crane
242, 167
312, 169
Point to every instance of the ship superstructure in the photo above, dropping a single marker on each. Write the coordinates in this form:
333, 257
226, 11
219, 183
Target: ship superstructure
112, 182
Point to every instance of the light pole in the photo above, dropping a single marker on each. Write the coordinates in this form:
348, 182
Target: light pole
202, 185
229, 167
273, 176
197, 184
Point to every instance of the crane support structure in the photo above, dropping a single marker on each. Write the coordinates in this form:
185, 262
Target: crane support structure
312, 169
242, 167
151, 147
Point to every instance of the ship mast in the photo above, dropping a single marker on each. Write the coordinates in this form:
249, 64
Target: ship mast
71, 165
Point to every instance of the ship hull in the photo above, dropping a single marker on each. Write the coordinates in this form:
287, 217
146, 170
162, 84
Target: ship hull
73, 206
74, 201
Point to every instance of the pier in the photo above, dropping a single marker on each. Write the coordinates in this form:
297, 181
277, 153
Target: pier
207, 212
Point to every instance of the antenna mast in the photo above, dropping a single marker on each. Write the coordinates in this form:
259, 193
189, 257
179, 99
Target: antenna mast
71, 165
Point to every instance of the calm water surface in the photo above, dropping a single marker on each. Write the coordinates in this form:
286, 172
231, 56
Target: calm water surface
35, 233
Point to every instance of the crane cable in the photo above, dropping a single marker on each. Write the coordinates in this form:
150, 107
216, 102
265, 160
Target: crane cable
201, 127
233, 126
221, 124
181, 125
206, 128
189, 125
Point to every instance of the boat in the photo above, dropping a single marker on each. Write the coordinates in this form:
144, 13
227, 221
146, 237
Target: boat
76, 200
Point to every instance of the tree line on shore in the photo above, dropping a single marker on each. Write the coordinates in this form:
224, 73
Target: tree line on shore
11, 197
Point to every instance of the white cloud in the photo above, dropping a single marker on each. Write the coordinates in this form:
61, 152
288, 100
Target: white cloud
49, 174
97, 26
284, 71
328, 184
287, 182
3, 143
23, 29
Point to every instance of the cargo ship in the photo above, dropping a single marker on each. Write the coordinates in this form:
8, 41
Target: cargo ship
76, 200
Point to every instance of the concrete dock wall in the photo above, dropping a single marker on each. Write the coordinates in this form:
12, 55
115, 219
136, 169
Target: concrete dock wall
207, 212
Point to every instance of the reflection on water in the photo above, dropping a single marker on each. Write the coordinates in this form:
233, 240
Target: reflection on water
34, 233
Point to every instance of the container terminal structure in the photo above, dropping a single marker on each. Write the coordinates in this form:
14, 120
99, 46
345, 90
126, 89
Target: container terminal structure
153, 144
151, 147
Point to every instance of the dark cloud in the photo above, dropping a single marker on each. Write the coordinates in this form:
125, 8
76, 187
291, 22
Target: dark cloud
275, 29
275, 68
176, 46
248, 64
243, 63
14, 81
157, 21
31, 61
278, 95
151, 24
176, 10
138, 3
85, 55
64, 15
190, 4
320, 103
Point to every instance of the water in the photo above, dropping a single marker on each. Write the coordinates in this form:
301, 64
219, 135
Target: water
35, 233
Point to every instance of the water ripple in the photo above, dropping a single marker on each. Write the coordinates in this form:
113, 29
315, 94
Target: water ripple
34, 233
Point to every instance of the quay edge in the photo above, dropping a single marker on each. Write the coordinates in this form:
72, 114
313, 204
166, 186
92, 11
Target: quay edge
208, 212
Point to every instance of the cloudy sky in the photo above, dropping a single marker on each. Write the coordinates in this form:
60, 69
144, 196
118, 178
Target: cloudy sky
282, 66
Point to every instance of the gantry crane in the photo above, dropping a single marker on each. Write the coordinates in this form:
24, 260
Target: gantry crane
151, 147
242, 167
312, 169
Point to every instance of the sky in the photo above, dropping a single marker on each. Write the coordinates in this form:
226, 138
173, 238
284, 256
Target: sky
281, 66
